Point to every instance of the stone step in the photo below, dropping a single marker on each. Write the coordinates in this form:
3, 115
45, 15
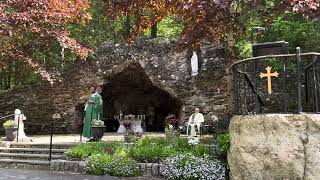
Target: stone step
33, 150
26, 164
24, 156
43, 145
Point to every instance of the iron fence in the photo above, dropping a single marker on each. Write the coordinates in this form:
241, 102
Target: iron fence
286, 83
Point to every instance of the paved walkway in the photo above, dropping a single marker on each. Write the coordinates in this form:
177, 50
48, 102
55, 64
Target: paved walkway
75, 138
23, 174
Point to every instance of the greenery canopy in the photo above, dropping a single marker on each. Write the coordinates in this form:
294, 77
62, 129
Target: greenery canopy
46, 35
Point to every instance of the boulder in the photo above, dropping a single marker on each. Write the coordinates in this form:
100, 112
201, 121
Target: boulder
275, 146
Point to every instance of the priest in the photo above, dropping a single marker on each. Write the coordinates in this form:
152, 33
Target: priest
93, 109
194, 123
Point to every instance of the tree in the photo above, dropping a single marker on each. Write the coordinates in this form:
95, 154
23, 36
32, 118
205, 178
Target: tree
28, 24
219, 20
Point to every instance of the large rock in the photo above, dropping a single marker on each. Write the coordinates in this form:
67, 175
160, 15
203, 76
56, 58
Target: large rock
275, 146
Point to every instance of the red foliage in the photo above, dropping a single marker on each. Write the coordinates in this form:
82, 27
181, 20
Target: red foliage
45, 19
202, 19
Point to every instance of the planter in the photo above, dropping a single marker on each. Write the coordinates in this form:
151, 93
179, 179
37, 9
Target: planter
97, 132
11, 133
172, 135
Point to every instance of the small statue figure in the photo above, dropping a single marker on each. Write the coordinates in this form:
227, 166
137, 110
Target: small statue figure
18, 119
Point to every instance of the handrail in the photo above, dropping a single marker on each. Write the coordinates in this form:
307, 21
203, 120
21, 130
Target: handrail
6, 116
251, 86
274, 56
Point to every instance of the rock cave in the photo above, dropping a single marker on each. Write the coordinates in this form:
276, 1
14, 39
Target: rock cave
132, 92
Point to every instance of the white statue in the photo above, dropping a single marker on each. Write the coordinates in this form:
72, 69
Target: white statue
194, 122
194, 64
19, 118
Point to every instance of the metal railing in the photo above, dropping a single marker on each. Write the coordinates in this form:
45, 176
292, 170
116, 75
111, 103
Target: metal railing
293, 87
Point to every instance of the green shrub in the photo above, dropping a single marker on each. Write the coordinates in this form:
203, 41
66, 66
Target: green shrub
151, 153
182, 144
122, 166
148, 140
100, 164
200, 150
223, 142
84, 150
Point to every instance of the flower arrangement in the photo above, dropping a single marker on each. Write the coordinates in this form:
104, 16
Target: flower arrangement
188, 166
172, 122
10, 124
97, 123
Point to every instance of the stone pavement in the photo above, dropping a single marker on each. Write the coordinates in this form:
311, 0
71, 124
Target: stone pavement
23, 174
75, 138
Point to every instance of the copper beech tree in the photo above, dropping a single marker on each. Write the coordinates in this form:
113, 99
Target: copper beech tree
212, 20
44, 21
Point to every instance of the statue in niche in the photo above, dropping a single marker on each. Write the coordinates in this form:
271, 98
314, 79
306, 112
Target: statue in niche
195, 62
18, 119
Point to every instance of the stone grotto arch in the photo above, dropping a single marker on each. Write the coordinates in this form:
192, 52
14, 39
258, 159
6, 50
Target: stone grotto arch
132, 92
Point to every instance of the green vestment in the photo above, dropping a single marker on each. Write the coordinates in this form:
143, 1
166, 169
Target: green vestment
93, 111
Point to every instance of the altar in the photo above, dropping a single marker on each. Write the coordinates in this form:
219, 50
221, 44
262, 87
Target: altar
130, 122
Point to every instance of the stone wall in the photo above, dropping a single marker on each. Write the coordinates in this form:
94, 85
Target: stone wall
275, 146
166, 68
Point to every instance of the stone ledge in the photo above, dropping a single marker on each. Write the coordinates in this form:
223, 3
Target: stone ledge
146, 169
69, 166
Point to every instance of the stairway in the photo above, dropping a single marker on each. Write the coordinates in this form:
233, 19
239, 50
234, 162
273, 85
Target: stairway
31, 155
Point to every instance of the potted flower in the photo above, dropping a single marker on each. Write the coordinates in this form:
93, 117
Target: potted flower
10, 128
97, 129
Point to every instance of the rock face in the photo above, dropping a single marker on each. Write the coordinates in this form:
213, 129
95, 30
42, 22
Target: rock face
152, 72
275, 146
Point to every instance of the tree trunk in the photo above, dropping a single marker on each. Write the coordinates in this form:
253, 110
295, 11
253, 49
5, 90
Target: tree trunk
127, 26
154, 31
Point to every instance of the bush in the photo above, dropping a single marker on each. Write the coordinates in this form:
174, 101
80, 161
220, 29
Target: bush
84, 150
101, 164
122, 166
223, 142
157, 149
151, 153
200, 150
191, 167
97, 163
147, 141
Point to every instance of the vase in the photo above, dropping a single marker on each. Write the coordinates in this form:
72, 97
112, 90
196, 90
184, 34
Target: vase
11, 133
97, 132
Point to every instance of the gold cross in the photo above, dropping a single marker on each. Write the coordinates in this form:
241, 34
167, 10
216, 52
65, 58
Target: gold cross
269, 75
